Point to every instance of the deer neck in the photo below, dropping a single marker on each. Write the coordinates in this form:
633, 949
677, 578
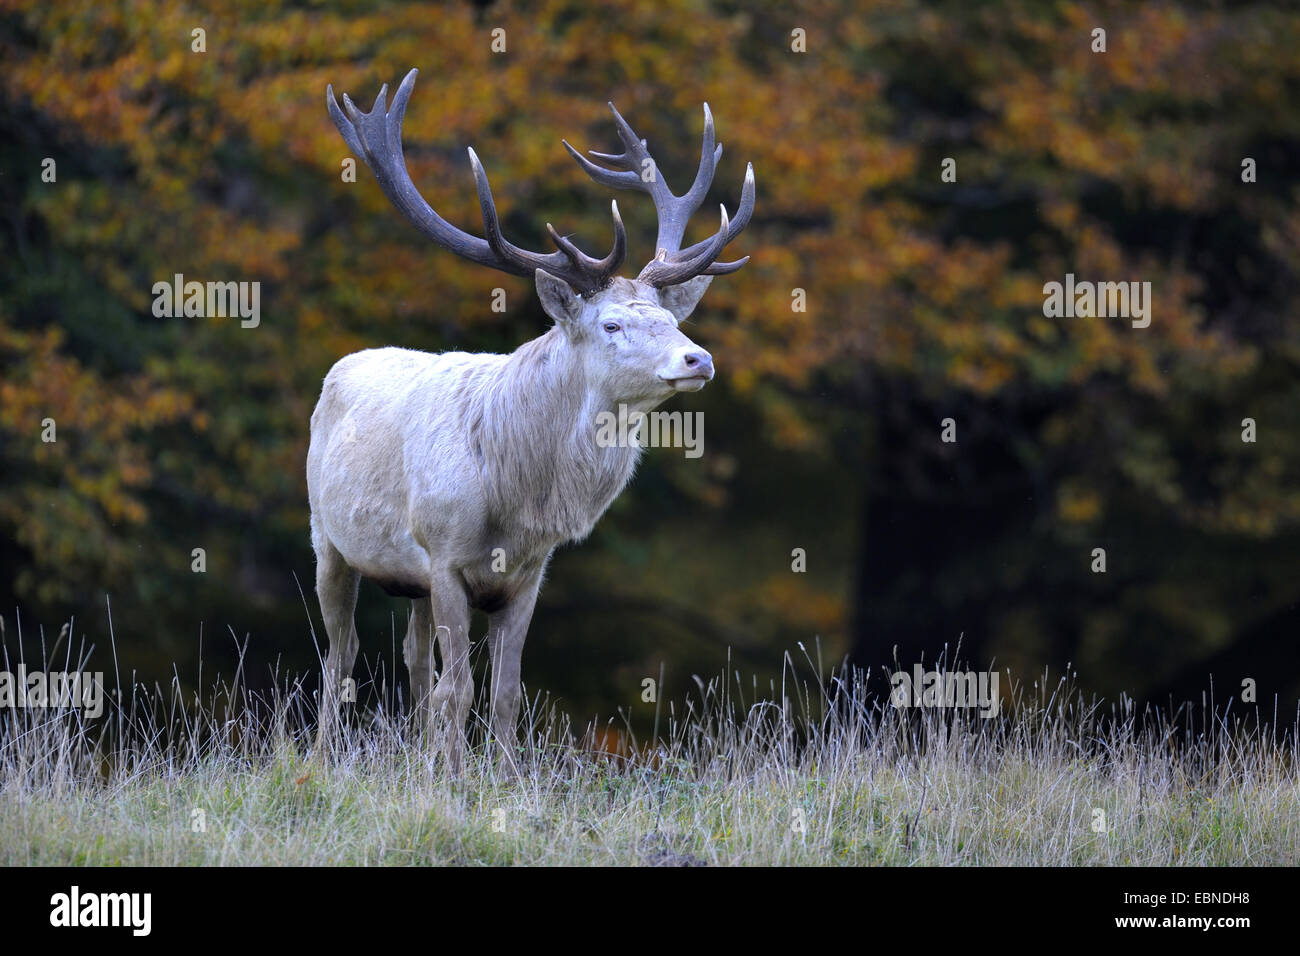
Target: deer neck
555, 475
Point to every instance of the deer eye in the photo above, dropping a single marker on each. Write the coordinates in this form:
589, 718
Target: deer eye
612, 326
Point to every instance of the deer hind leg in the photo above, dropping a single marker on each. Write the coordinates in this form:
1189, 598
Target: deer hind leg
417, 649
336, 588
454, 691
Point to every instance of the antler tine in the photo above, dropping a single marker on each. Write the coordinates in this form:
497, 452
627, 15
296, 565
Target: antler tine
376, 138
671, 264
741, 220
663, 271
604, 266
606, 177
709, 157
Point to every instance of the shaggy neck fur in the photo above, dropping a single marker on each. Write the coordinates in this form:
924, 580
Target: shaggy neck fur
542, 469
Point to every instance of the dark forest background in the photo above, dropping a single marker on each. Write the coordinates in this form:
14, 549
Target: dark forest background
924, 301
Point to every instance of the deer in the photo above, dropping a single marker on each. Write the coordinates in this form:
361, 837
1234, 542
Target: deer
450, 478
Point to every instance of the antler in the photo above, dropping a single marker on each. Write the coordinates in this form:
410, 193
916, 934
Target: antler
376, 139
635, 168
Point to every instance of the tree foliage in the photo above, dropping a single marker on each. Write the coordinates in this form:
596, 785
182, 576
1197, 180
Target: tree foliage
924, 300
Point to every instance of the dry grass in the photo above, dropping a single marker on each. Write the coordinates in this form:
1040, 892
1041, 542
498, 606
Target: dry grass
167, 779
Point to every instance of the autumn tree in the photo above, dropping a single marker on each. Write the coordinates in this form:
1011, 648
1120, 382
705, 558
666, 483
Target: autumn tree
923, 171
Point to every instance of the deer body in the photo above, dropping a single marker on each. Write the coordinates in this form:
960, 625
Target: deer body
451, 478
464, 454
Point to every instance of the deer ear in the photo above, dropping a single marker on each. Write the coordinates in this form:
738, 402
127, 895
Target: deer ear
558, 299
681, 300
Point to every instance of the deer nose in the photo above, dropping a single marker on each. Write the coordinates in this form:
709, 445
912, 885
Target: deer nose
699, 362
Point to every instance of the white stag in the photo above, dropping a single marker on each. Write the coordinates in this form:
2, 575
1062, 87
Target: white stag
450, 478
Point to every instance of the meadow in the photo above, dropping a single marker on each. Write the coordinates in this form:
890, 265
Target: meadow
804, 772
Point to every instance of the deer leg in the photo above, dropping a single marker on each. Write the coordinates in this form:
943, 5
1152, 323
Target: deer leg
336, 588
507, 630
417, 648
454, 691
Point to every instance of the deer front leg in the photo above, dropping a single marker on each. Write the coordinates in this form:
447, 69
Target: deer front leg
455, 688
507, 630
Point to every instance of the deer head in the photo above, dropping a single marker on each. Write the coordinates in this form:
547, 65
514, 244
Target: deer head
626, 330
